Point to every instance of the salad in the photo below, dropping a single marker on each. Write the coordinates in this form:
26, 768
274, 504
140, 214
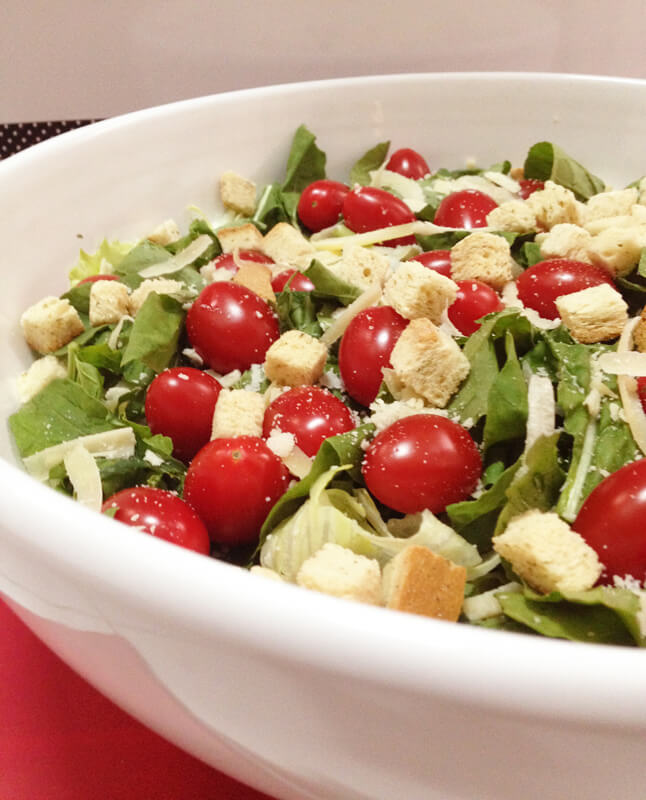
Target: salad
416, 387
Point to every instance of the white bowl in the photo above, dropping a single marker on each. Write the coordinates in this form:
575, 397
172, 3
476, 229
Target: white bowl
298, 694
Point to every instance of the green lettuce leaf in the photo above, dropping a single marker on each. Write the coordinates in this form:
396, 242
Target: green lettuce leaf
90, 264
305, 163
369, 161
328, 286
155, 333
507, 411
547, 161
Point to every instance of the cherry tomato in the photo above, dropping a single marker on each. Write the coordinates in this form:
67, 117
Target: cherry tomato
161, 514
227, 261
311, 414
299, 283
231, 327
409, 163
368, 209
320, 204
474, 299
180, 403
232, 483
95, 278
365, 349
422, 461
439, 260
529, 186
611, 520
540, 285
641, 391
465, 209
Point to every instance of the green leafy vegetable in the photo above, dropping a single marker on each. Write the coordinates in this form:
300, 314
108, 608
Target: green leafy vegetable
305, 164
369, 161
110, 253
155, 332
547, 161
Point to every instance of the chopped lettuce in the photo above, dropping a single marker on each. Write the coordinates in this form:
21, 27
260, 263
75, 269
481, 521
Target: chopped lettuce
109, 254
547, 161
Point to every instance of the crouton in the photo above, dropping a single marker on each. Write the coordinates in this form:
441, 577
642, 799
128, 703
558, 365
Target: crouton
109, 301
553, 205
340, 572
596, 314
618, 249
482, 257
41, 372
639, 332
238, 193
50, 324
416, 291
295, 359
257, 278
429, 362
565, 240
266, 572
239, 237
610, 204
287, 246
154, 285
362, 267
514, 215
421, 582
547, 554
166, 233
237, 413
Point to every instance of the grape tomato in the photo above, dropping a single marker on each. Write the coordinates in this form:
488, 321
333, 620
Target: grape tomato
368, 208
473, 301
298, 283
321, 203
465, 209
409, 163
228, 260
439, 260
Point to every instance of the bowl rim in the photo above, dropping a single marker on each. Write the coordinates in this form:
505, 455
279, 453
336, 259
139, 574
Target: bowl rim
370, 644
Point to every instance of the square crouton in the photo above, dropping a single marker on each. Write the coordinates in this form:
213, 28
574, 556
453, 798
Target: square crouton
416, 291
639, 332
50, 324
362, 267
287, 246
514, 215
295, 359
166, 233
419, 581
555, 204
610, 204
547, 554
241, 237
257, 278
41, 373
596, 314
237, 413
618, 249
109, 301
565, 241
238, 193
429, 362
158, 286
337, 571
482, 257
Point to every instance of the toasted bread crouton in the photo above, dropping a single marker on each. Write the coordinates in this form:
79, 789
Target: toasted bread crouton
41, 372
50, 324
553, 205
547, 554
419, 581
429, 362
337, 571
514, 215
237, 413
295, 359
257, 278
238, 193
482, 257
565, 241
362, 267
154, 285
287, 246
109, 301
166, 233
618, 249
595, 314
266, 572
416, 291
610, 204
240, 237
639, 332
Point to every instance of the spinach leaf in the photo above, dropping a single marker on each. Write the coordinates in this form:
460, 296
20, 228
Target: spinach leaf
547, 161
371, 160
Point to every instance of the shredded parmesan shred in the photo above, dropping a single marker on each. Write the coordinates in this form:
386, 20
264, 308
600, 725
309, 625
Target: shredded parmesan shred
84, 475
633, 410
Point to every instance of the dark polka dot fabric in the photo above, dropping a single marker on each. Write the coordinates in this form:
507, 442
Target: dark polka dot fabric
16, 136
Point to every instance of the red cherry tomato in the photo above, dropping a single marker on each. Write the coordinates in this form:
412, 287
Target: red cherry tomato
180, 403
641, 391
439, 260
540, 285
529, 186
365, 349
368, 209
473, 301
299, 283
409, 163
231, 327
311, 414
227, 261
611, 520
466, 209
422, 461
232, 484
161, 514
320, 204
95, 278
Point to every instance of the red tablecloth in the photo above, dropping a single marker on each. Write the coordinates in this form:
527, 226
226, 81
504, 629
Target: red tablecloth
62, 740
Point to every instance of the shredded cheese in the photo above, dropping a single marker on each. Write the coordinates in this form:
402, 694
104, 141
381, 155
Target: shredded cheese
84, 476
417, 228
633, 410
338, 327
182, 259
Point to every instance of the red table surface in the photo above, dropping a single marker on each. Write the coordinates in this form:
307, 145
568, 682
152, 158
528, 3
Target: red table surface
60, 739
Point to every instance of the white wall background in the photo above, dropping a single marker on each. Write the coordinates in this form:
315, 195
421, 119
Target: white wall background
78, 59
